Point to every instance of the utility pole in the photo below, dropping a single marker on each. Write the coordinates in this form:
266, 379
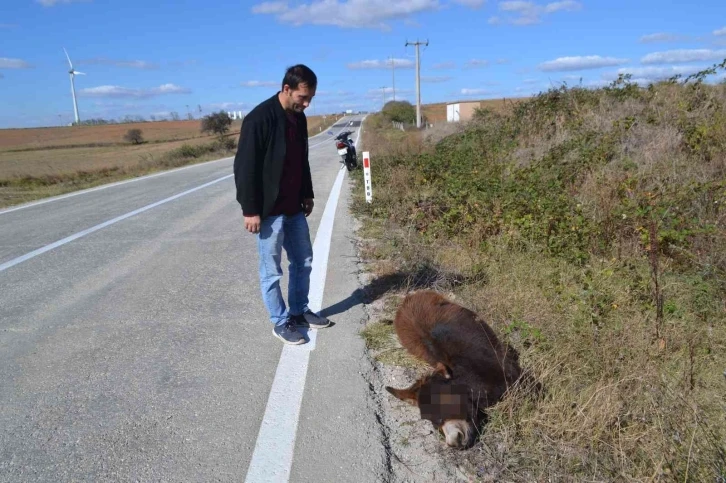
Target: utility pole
384, 96
418, 80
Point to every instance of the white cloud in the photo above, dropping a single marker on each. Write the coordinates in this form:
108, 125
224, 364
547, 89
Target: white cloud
721, 31
648, 75
325, 97
136, 64
382, 64
475, 92
337, 107
580, 63
133, 64
655, 73
389, 90
6, 63
435, 79
346, 14
683, 55
565, 6
477, 63
227, 105
471, 3
378, 93
270, 8
51, 3
662, 37
530, 13
503, 61
256, 83
443, 66
125, 92
602, 83
516, 6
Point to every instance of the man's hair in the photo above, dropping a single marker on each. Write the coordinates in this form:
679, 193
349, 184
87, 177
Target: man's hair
298, 74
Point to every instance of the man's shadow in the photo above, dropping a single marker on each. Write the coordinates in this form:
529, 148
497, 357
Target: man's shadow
423, 276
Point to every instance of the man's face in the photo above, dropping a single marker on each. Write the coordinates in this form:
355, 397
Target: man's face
299, 99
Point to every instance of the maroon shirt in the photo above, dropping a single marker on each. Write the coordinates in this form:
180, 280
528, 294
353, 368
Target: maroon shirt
288, 200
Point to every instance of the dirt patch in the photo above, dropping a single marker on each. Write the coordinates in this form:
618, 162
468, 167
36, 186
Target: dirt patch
416, 452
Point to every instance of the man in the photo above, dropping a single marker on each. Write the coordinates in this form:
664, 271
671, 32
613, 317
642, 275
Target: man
275, 191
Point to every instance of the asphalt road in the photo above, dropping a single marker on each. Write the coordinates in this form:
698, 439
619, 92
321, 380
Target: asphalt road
134, 344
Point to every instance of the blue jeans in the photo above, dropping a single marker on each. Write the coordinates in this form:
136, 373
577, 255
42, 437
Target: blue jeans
292, 234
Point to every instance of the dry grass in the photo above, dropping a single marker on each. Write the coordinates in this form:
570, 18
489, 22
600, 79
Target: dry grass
541, 218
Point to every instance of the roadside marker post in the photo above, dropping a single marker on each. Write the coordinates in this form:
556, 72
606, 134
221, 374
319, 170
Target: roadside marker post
367, 176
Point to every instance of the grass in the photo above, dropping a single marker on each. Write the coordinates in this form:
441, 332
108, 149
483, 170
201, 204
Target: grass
37, 163
380, 337
588, 228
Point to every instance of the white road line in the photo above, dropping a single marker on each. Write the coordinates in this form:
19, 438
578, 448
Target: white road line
102, 187
273, 453
341, 130
360, 128
80, 234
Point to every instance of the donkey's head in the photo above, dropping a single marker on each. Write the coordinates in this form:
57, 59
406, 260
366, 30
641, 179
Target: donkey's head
447, 403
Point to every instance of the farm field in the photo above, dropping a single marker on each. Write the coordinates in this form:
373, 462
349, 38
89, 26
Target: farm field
40, 162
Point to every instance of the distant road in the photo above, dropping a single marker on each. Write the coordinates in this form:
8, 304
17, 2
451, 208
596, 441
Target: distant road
135, 346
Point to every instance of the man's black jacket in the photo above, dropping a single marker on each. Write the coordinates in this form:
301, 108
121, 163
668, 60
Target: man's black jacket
261, 155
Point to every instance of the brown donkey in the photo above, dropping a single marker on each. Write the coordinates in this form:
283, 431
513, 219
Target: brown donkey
472, 368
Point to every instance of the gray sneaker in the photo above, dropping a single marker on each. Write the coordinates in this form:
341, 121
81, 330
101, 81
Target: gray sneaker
310, 319
287, 333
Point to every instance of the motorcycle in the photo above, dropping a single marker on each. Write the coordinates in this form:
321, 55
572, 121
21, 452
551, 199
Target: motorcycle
346, 150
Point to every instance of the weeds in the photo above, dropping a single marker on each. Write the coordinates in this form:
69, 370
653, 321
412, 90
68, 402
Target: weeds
588, 227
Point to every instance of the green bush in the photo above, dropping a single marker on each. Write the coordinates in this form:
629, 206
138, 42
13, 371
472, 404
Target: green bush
598, 215
400, 111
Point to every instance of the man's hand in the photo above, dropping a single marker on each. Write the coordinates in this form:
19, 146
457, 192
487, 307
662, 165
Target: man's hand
308, 204
252, 223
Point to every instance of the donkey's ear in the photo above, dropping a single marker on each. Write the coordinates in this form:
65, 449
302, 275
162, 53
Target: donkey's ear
442, 369
409, 395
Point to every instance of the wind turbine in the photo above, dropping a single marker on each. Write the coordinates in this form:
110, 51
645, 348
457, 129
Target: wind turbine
73, 73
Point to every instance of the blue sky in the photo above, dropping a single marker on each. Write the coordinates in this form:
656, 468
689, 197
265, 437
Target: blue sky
155, 57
